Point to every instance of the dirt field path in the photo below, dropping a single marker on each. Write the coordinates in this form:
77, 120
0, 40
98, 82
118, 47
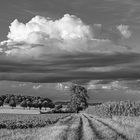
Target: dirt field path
85, 127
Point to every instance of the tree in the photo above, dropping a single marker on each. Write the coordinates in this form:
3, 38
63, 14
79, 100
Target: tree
3, 97
18, 99
1, 103
78, 98
39, 104
12, 103
58, 107
29, 104
7, 100
45, 104
51, 105
35, 103
23, 104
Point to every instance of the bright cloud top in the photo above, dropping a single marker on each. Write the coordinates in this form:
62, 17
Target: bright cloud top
42, 36
39, 29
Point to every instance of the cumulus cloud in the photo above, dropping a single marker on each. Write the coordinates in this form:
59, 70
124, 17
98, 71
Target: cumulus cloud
39, 29
66, 49
124, 30
113, 33
62, 34
44, 36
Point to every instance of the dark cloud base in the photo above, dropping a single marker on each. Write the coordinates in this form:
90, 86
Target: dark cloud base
64, 68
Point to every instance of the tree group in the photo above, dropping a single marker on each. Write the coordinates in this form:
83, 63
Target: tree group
25, 101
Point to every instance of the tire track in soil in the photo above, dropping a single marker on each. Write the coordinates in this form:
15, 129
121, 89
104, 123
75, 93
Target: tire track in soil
97, 133
75, 131
81, 127
64, 134
119, 134
55, 131
109, 134
80, 130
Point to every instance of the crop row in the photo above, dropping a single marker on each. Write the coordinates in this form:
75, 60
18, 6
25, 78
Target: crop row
12, 121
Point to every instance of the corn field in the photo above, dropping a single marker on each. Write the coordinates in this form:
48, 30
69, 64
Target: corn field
121, 108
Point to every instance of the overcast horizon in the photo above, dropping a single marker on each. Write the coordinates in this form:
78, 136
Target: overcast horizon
47, 45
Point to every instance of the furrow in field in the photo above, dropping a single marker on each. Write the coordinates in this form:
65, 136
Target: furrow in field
63, 135
75, 130
117, 130
90, 132
56, 131
100, 129
108, 134
120, 134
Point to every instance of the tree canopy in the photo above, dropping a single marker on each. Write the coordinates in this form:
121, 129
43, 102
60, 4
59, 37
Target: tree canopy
79, 98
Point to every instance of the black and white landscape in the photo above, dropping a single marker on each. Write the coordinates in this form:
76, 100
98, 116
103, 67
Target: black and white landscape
70, 69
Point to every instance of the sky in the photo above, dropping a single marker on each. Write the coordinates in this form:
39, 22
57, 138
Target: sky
47, 45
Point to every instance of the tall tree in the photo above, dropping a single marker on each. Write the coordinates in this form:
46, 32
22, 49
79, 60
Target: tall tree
23, 104
79, 98
35, 103
39, 104
12, 103
45, 104
1, 103
7, 100
29, 104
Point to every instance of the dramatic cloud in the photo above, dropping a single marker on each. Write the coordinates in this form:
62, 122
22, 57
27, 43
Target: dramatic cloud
39, 29
41, 36
65, 49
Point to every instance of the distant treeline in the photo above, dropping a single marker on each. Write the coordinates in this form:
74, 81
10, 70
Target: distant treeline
25, 101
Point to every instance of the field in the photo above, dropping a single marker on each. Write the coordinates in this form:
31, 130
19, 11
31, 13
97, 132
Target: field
109, 121
13, 121
15, 126
88, 127
80, 126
